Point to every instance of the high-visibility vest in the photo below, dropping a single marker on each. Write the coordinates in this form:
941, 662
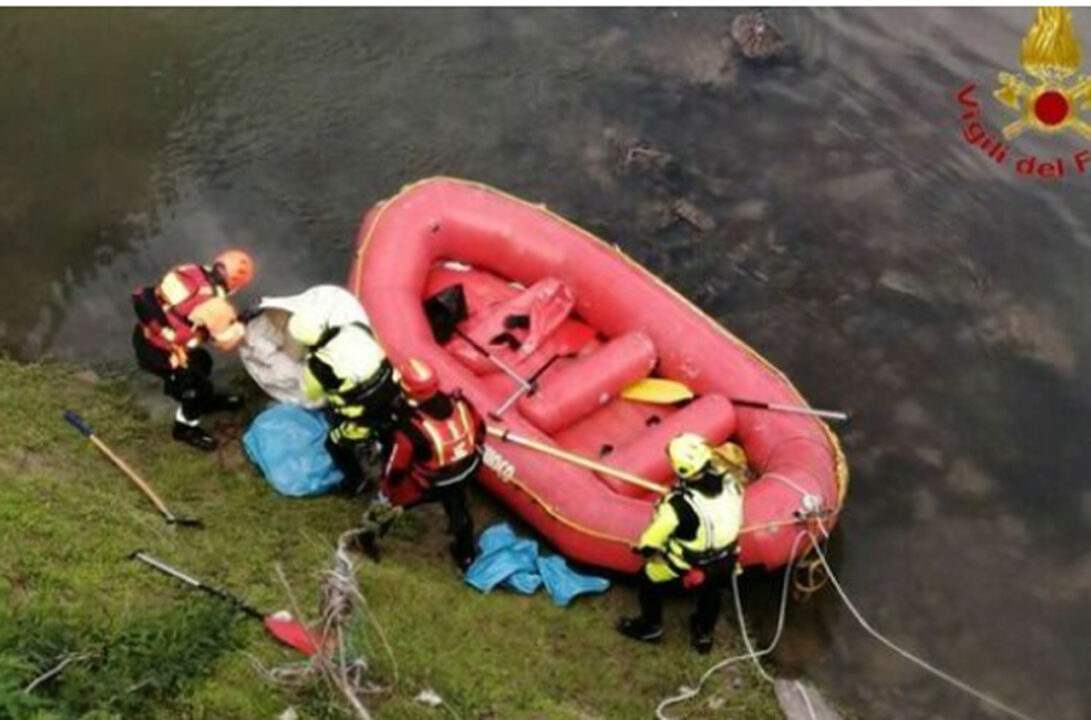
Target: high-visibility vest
453, 444
165, 310
719, 521
353, 371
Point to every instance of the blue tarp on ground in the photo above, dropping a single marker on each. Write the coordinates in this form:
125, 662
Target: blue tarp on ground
514, 563
288, 444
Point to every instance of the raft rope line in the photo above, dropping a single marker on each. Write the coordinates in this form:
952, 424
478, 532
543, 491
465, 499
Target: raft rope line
920, 662
755, 655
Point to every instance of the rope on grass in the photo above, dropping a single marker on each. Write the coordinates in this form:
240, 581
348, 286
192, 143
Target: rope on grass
57, 669
751, 654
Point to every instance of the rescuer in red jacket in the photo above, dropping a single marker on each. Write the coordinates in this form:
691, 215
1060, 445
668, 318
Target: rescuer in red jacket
436, 449
185, 309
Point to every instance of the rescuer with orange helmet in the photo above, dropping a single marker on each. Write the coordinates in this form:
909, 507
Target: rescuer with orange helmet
188, 307
436, 449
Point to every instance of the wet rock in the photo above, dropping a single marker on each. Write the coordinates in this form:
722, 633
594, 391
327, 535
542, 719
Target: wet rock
693, 215
1033, 333
1013, 529
751, 210
925, 505
643, 159
968, 478
902, 283
759, 41
930, 456
795, 707
861, 186
910, 412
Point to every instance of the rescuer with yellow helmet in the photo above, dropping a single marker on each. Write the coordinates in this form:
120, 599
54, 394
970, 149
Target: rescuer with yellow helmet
691, 541
347, 367
188, 307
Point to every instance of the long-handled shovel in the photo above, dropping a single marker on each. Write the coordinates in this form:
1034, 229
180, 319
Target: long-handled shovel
579, 460
280, 625
84, 429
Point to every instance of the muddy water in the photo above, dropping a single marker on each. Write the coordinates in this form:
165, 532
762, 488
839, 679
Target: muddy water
858, 242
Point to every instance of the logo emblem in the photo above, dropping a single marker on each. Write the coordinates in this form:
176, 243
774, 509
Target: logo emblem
1050, 54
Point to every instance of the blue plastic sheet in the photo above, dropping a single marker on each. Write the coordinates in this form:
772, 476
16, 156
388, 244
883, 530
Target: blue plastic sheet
288, 444
514, 564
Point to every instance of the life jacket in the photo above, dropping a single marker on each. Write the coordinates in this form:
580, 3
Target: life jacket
164, 310
719, 519
354, 373
454, 452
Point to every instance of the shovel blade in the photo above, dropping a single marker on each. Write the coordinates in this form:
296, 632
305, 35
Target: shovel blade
291, 632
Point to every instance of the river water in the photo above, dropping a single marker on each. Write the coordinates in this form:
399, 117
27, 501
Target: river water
860, 243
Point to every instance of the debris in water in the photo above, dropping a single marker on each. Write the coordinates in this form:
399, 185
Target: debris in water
694, 215
645, 159
759, 40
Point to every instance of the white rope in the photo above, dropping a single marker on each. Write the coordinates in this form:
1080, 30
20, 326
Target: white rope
807, 700
688, 693
987, 699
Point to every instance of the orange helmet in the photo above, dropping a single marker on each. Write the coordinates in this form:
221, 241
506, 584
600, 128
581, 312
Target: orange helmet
419, 380
236, 267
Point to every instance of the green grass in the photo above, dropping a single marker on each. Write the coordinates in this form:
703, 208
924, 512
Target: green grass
155, 650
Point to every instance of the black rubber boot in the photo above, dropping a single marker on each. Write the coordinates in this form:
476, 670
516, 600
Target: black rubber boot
463, 560
195, 436
226, 402
640, 629
700, 638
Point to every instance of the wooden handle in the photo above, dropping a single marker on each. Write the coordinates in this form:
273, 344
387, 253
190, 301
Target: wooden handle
581, 461
140, 483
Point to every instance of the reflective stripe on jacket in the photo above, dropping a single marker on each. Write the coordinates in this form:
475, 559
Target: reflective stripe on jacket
710, 538
180, 297
348, 366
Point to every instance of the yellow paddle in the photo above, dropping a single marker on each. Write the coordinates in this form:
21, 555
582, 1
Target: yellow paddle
661, 391
657, 391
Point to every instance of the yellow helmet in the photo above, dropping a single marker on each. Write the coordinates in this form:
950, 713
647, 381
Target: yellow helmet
306, 327
689, 454
732, 454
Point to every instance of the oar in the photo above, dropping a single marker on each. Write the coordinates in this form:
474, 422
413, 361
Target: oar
280, 625
661, 391
524, 385
531, 386
84, 429
579, 460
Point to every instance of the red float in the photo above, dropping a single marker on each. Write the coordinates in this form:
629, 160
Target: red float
537, 287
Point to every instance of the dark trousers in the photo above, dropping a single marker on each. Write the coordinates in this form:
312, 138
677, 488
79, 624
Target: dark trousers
190, 385
460, 523
709, 595
354, 460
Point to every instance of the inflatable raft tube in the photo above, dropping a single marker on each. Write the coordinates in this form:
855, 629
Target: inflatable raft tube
540, 290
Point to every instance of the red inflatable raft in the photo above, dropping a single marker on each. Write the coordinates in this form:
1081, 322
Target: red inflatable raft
540, 290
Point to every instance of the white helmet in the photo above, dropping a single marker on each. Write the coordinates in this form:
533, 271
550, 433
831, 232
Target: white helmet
307, 327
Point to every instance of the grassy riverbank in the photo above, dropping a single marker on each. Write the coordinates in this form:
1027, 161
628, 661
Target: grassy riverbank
148, 649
